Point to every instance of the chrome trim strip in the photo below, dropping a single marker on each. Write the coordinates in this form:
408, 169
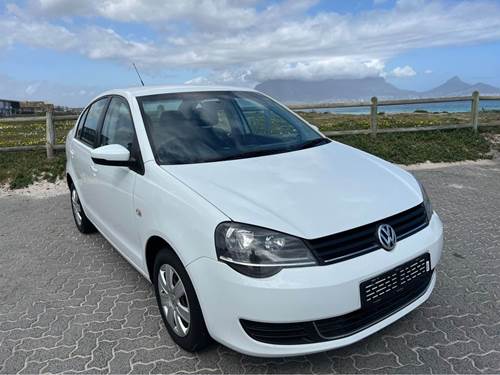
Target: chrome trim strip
229, 260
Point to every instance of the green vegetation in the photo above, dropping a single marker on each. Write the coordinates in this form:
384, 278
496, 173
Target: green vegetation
419, 147
330, 121
492, 134
21, 169
27, 134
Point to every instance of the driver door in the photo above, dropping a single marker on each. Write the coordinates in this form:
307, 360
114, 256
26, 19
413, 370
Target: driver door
114, 186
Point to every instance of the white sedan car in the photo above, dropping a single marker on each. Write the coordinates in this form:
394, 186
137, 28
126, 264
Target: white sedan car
254, 229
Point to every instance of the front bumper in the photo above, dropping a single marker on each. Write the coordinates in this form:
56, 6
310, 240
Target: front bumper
302, 294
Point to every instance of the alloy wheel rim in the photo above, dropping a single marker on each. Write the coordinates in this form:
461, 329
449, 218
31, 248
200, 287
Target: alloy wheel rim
174, 301
77, 207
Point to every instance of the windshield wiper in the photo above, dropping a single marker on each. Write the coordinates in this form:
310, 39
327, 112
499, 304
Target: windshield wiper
272, 151
313, 142
252, 154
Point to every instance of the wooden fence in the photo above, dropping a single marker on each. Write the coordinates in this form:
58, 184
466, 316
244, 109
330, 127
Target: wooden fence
474, 99
50, 132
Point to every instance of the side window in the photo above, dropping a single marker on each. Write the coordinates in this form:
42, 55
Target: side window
118, 127
89, 129
80, 123
264, 122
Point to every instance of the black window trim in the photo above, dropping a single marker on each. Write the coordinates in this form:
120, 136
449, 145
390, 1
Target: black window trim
81, 120
99, 121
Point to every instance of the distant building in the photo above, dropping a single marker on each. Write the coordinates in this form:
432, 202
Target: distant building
16, 107
35, 107
9, 107
68, 110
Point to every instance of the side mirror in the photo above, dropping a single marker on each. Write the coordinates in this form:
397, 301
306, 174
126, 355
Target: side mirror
114, 155
314, 127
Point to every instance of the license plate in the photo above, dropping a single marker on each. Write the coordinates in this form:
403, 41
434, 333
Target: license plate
390, 284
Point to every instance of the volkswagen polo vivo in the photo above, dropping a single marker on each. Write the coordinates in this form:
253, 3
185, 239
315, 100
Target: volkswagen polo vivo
254, 229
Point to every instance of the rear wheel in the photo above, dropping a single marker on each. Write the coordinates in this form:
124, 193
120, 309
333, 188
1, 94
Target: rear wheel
82, 222
178, 303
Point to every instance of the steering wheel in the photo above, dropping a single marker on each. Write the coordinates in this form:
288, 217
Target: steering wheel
172, 150
184, 150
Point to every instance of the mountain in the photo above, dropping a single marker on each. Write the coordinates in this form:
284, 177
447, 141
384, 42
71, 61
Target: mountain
334, 90
297, 91
456, 87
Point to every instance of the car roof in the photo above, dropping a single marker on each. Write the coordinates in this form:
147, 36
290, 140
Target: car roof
155, 90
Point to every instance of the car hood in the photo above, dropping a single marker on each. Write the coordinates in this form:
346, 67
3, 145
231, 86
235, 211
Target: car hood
308, 193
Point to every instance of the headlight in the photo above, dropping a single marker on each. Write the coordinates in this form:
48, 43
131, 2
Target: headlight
259, 252
427, 201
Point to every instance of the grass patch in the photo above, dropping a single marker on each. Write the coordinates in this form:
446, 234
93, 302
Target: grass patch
419, 147
27, 134
21, 169
492, 134
332, 121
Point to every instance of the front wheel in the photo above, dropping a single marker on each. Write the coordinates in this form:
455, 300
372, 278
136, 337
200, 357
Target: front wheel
82, 222
178, 303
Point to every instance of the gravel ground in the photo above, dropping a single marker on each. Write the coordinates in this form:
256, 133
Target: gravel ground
40, 189
71, 304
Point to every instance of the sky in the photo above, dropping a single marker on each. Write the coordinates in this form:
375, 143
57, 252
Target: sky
67, 51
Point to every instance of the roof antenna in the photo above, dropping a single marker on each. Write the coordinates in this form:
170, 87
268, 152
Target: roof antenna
137, 71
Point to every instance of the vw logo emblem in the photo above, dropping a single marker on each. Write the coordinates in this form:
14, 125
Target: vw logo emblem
387, 236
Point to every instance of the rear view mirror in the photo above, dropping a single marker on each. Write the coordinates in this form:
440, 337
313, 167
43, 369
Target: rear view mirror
114, 155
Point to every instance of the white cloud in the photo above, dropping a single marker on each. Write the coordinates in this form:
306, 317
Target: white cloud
200, 81
402, 72
428, 71
246, 41
32, 88
36, 34
310, 69
221, 13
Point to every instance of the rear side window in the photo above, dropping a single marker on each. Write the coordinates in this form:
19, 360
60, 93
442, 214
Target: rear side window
80, 123
118, 127
89, 129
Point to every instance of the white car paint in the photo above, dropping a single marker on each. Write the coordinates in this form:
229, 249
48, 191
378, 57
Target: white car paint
308, 193
111, 152
331, 171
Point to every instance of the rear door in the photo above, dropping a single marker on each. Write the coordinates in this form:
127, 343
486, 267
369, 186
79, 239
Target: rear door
84, 142
113, 188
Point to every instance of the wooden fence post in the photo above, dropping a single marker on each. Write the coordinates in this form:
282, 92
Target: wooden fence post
50, 133
475, 110
373, 116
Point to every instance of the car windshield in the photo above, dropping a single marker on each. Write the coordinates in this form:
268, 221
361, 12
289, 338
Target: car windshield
199, 127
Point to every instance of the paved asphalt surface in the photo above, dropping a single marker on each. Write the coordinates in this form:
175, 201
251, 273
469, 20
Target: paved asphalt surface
70, 303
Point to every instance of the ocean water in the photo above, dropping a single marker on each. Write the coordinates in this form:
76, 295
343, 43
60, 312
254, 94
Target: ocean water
452, 107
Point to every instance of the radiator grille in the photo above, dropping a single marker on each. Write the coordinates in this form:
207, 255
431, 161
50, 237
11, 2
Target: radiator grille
358, 241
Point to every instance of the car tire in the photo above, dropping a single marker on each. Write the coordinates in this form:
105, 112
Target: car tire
170, 277
81, 220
